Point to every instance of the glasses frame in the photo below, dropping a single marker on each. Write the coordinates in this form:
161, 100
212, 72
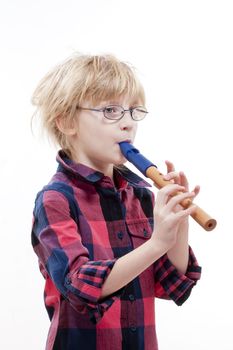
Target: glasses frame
103, 109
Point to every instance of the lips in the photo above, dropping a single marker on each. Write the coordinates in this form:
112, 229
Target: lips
128, 140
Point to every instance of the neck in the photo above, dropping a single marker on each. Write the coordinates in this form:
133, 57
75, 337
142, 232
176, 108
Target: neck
106, 169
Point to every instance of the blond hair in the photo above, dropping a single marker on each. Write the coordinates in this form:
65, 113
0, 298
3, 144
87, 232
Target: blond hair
78, 79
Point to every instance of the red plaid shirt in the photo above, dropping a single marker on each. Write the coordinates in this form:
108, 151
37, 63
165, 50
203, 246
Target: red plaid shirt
82, 224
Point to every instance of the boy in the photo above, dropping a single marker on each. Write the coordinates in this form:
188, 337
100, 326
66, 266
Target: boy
104, 248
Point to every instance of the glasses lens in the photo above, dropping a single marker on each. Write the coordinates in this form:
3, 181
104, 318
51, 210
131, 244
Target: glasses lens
113, 112
139, 113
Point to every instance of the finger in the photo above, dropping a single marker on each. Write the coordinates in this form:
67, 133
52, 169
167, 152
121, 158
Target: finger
167, 191
173, 176
179, 178
186, 212
196, 190
170, 166
183, 180
183, 214
174, 201
171, 188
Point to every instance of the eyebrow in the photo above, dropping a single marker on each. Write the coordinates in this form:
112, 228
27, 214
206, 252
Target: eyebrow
117, 103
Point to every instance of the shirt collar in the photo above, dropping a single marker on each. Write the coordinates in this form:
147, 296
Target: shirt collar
123, 175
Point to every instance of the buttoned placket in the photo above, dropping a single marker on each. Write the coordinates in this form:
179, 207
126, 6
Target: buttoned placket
132, 306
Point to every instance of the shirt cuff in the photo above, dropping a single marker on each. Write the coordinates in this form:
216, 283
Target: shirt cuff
172, 284
86, 284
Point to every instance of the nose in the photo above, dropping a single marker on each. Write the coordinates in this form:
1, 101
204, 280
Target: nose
127, 121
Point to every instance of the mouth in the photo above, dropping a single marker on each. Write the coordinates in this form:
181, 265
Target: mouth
128, 140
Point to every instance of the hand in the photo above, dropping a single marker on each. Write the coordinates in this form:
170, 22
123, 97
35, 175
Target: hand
180, 178
168, 215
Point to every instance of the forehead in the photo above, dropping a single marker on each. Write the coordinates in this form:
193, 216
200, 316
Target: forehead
123, 101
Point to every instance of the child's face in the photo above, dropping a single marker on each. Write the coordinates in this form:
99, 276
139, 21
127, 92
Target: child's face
96, 139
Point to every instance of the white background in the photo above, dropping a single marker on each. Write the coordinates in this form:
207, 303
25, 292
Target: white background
183, 52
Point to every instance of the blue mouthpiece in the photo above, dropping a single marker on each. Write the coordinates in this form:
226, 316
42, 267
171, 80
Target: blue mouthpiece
135, 157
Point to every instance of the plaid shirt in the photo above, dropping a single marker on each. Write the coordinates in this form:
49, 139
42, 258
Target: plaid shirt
82, 224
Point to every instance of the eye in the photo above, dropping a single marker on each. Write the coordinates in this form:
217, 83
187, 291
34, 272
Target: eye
140, 109
110, 109
113, 112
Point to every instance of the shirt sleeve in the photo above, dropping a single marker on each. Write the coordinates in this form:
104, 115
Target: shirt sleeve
171, 284
57, 242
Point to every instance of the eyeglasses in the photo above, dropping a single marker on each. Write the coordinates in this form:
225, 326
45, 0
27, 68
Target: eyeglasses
115, 112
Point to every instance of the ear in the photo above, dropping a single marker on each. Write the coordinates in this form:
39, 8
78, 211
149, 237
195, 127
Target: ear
67, 128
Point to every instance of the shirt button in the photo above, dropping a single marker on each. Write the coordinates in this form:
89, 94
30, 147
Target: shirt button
120, 235
145, 233
68, 281
133, 328
131, 297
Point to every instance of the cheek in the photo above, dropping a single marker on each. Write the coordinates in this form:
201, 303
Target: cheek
135, 130
99, 136
90, 130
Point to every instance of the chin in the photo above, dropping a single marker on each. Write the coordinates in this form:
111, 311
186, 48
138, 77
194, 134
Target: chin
123, 160
119, 159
